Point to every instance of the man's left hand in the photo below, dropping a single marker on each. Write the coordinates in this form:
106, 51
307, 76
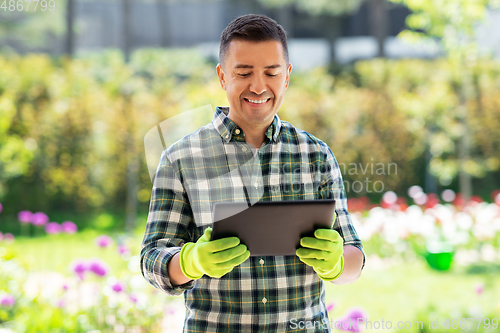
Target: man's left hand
324, 253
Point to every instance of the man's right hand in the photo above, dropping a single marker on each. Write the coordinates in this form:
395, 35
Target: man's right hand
213, 258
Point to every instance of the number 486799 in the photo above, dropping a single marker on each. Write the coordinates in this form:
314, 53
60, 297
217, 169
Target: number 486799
20, 5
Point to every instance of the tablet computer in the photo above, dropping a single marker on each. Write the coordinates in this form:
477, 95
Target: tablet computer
272, 228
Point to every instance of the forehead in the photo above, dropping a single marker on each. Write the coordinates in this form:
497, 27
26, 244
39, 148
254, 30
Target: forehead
255, 53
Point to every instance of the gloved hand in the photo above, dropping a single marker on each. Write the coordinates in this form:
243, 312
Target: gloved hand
213, 258
324, 253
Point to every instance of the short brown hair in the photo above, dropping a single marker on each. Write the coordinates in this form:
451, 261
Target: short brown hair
253, 28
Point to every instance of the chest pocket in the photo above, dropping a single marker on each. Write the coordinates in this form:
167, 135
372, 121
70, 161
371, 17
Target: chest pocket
294, 181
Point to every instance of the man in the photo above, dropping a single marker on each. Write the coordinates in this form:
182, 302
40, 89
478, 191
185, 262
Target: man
225, 289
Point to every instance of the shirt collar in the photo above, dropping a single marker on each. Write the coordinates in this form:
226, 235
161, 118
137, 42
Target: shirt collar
226, 127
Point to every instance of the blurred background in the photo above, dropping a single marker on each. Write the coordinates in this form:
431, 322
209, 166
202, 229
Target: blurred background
404, 92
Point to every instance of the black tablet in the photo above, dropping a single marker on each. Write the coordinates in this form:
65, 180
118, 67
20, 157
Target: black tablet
272, 228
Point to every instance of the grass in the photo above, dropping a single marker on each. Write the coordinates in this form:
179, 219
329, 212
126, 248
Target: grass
400, 292
393, 290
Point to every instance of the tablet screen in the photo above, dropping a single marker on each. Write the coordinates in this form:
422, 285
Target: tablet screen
272, 228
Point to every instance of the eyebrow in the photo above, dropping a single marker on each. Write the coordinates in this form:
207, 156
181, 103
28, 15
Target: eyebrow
250, 66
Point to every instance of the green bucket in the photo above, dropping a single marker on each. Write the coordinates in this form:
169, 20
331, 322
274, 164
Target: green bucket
439, 256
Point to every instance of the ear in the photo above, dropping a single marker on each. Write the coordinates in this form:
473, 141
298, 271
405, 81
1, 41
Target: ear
289, 70
220, 74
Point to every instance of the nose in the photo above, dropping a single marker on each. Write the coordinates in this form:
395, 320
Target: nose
257, 85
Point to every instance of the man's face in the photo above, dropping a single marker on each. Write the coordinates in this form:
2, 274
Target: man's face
255, 77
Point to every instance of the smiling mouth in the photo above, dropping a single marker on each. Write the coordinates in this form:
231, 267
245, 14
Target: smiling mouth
257, 101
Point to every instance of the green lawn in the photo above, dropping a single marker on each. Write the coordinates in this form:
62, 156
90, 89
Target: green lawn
399, 292
394, 291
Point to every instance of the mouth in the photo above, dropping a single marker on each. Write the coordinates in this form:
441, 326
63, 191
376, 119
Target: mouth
257, 102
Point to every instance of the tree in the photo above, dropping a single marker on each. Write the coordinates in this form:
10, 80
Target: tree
453, 23
336, 8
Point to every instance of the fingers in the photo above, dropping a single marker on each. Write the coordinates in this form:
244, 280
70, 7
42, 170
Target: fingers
328, 234
206, 235
316, 264
222, 244
230, 264
317, 244
304, 253
228, 255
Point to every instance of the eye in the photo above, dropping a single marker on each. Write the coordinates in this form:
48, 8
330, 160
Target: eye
244, 74
272, 75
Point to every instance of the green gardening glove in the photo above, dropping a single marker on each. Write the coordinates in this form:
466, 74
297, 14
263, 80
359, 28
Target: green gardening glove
324, 253
213, 258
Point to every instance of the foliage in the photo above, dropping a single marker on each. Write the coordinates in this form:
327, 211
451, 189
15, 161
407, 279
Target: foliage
81, 120
336, 7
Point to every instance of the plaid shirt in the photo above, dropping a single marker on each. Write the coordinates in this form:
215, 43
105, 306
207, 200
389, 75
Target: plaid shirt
214, 164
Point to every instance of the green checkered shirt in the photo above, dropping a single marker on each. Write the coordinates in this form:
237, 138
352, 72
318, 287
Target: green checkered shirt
214, 164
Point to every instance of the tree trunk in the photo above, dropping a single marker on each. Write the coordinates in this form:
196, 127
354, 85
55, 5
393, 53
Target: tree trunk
70, 36
285, 19
379, 23
126, 29
465, 180
162, 8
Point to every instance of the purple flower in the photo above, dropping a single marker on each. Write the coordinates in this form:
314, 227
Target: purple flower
350, 321
8, 237
103, 241
25, 216
69, 227
98, 267
52, 228
7, 300
118, 286
122, 248
39, 219
1, 207
79, 267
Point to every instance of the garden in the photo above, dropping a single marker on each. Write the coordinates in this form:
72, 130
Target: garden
434, 258
75, 187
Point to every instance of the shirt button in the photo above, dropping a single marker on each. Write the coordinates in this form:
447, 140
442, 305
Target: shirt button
256, 184
261, 262
237, 131
244, 148
264, 300
227, 136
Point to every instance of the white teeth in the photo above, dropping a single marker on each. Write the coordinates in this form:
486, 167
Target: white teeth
257, 101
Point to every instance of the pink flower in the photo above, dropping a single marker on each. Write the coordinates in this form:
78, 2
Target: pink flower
60, 303
69, 227
52, 228
98, 267
118, 286
79, 267
122, 248
133, 298
479, 288
25, 216
1, 235
330, 306
8, 237
39, 219
7, 300
1, 207
103, 241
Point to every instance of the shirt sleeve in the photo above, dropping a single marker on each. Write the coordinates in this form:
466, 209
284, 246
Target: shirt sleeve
167, 228
333, 188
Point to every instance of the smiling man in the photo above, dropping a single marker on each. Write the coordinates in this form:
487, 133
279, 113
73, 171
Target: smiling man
226, 290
